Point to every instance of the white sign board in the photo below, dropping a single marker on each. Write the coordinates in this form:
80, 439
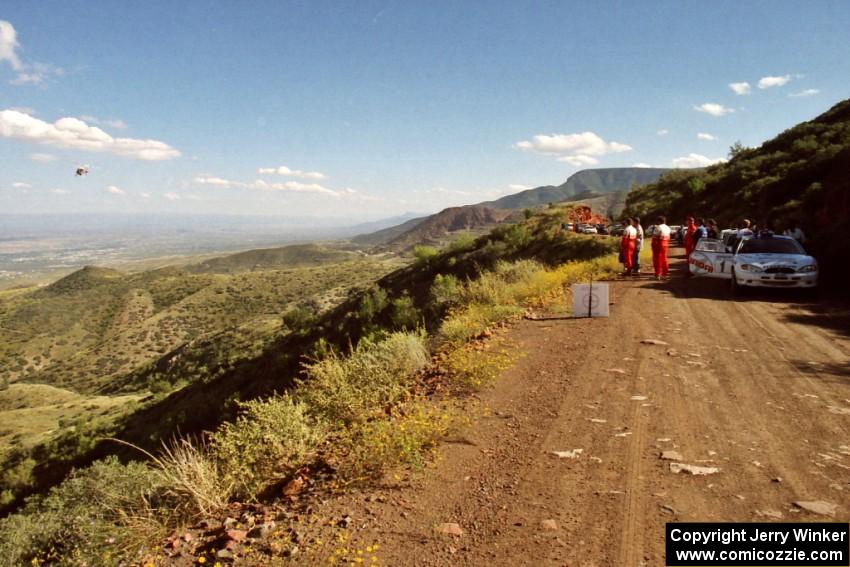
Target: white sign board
590, 300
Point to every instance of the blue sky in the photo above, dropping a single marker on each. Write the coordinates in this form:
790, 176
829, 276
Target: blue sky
371, 108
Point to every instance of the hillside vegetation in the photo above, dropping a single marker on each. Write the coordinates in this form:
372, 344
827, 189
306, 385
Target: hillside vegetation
337, 389
85, 352
801, 174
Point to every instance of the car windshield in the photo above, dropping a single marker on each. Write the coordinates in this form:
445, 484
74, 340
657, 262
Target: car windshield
770, 246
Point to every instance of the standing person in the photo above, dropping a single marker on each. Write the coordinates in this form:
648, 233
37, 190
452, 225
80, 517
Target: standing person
713, 231
700, 232
660, 244
744, 229
627, 246
795, 232
638, 245
765, 230
690, 229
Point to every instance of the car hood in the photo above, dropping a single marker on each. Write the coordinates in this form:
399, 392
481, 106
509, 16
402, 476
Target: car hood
769, 260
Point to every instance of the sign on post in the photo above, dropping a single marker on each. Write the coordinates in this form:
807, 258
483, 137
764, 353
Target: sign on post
590, 300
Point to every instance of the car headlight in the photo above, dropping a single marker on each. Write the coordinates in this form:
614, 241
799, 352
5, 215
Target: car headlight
809, 268
751, 268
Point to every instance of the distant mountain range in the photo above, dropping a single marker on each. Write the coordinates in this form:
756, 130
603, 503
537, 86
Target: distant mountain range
582, 184
603, 189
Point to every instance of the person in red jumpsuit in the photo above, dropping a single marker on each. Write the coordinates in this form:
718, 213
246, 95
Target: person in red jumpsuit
690, 229
660, 244
627, 246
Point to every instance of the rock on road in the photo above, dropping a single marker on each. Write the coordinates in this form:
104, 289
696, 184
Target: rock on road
685, 405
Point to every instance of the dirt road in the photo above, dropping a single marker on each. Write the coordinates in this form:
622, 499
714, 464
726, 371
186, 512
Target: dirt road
758, 388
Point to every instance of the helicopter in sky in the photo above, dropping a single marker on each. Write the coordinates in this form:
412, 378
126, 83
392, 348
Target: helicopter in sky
82, 170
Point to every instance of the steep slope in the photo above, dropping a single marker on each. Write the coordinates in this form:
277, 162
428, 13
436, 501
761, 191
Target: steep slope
801, 175
436, 228
387, 234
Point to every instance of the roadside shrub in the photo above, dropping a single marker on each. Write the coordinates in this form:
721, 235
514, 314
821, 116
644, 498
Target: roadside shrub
405, 439
98, 516
464, 324
268, 441
471, 368
347, 390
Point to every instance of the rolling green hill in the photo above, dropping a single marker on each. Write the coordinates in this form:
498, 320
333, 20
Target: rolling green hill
85, 348
294, 256
256, 330
801, 174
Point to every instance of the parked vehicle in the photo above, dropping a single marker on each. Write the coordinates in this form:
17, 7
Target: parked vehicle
601, 229
777, 261
588, 229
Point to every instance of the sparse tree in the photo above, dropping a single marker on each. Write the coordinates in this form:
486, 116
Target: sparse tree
736, 149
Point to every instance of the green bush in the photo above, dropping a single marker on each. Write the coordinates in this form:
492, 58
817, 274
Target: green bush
348, 390
424, 254
98, 516
445, 290
268, 441
405, 316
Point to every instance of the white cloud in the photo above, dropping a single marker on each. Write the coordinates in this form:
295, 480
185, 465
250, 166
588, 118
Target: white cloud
44, 158
714, 109
145, 195
663, 132
768, 82
171, 196
213, 180
518, 187
8, 44
283, 170
59, 191
641, 164
116, 123
21, 185
24, 109
115, 190
27, 73
695, 160
73, 133
741, 88
295, 187
705, 136
36, 74
807, 92
579, 160
575, 149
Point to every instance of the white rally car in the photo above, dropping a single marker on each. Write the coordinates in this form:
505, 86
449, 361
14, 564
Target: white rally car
777, 261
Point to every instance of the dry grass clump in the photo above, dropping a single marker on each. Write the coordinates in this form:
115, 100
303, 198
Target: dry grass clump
194, 479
